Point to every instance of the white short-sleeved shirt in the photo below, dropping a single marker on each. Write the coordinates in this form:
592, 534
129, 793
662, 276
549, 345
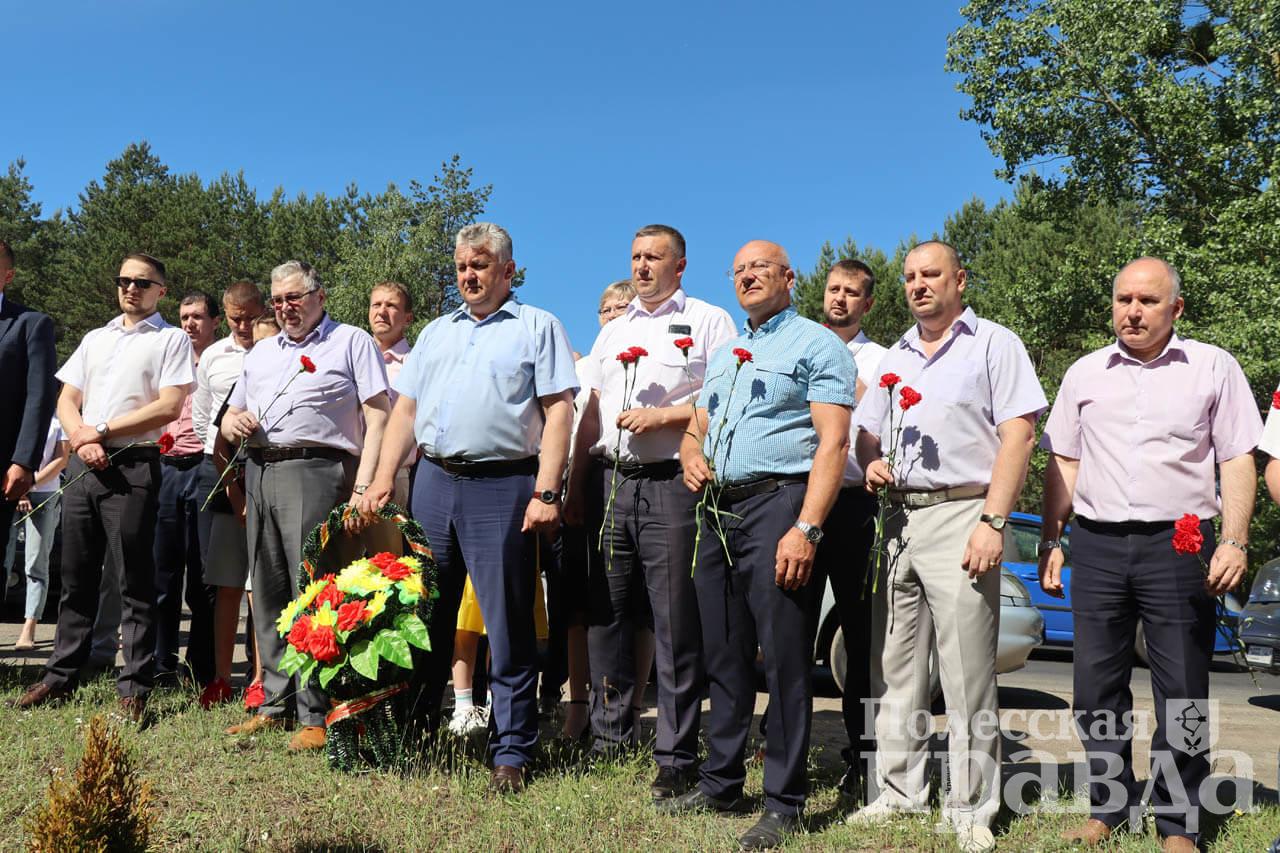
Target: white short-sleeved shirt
866, 354
219, 369
119, 369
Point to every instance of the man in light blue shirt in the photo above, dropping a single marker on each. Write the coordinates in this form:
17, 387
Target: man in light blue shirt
773, 419
487, 393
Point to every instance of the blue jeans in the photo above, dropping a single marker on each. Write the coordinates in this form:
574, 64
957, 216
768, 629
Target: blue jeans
40, 528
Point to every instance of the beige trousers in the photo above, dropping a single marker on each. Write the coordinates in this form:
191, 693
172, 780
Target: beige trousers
924, 583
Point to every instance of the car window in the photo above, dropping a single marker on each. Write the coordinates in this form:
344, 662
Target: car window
1023, 546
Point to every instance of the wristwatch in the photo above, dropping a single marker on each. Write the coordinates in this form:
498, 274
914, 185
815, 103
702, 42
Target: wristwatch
1242, 546
812, 532
1047, 545
101, 429
361, 488
996, 521
548, 496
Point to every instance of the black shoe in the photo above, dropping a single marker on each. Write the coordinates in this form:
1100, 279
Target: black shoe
671, 782
694, 800
769, 831
852, 787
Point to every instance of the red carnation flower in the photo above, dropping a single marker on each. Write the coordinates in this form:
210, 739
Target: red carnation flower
308, 366
743, 355
166, 443
350, 615
383, 559
889, 380
638, 352
685, 344
323, 644
626, 357
397, 571
299, 632
1187, 538
909, 398
331, 594
1275, 400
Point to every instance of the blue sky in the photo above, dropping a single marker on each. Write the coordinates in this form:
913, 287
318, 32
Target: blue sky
795, 122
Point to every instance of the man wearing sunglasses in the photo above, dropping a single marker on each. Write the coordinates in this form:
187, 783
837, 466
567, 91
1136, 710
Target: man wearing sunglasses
121, 386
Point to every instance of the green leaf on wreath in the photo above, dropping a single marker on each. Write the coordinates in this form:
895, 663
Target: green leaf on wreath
328, 672
414, 630
292, 661
409, 598
364, 659
393, 647
304, 677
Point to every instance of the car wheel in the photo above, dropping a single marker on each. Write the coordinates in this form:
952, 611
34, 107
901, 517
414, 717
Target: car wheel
838, 660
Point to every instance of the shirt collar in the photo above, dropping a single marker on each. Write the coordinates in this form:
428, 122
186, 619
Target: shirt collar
771, 324
676, 299
396, 353
1118, 352
319, 333
154, 321
966, 322
510, 307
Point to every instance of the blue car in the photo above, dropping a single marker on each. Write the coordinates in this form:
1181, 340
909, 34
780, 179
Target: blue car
1021, 559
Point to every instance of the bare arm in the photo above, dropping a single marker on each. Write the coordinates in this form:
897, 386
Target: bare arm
643, 419
54, 468
795, 553
557, 410
985, 548
1239, 478
1059, 493
160, 412
377, 410
397, 438
1272, 475
694, 465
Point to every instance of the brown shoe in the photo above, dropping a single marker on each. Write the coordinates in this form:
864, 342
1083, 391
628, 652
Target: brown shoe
134, 708
1092, 833
42, 694
506, 779
256, 723
1177, 844
307, 737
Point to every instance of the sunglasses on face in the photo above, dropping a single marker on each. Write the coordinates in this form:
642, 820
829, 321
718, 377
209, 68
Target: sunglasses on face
123, 282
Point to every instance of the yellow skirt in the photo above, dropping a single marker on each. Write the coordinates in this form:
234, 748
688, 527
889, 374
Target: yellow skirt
470, 619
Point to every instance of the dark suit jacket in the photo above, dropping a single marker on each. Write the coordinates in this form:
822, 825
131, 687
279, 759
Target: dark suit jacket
27, 388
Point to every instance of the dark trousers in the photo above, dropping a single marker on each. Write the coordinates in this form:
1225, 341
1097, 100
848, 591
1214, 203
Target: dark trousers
8, 510
847, 536
178, 565
1119, 576
108, 515
651, 536
743, 609
473, 526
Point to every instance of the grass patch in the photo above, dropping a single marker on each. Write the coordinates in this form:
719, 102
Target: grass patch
216, 792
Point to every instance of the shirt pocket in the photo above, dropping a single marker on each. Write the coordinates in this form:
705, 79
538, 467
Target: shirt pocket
512, 377
776, 384
961, 384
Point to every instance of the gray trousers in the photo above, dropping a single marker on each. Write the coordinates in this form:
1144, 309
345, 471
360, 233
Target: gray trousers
924, 577
286, 500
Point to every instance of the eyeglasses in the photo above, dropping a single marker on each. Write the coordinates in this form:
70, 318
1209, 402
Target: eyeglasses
291, 298
756, 268
614, 310
123, 282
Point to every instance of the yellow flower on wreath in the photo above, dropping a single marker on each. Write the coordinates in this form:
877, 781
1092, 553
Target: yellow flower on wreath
413, 585
309, 593
287, 616
377, 604
324, 616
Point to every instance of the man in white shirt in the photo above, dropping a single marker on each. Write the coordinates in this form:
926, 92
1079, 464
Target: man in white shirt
648, 536
120, 387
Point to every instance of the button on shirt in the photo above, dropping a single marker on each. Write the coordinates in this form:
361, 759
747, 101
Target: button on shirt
320, 409
120, 369
477, 382
764, 405
660, 378
1148, 435
866, 354
218, 371
979, 378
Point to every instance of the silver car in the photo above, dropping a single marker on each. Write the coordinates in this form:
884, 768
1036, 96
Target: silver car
1021, 630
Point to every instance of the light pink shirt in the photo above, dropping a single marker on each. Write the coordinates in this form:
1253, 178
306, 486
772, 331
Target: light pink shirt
1149, 435
979, 378
185, 440
393, 360
662, 379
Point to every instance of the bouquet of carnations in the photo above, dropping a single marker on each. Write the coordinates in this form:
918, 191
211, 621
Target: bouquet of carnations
352, 632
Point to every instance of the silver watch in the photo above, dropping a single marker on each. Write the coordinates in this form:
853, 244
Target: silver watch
812, 532
1048, 545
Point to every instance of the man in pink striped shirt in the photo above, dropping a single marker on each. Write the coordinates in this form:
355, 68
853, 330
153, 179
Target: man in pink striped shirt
1137, 434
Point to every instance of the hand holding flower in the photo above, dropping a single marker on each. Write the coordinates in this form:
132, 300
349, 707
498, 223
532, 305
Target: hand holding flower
239, 426
640, 421
878, 476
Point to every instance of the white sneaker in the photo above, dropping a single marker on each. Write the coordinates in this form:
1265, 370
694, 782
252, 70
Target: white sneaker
473, 719
880, 810
975, 838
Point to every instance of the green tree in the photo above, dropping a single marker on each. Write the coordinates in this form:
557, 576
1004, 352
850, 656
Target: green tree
888, 317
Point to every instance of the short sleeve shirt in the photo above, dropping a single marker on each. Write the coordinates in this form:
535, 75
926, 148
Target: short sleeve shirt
866, 355
218, 371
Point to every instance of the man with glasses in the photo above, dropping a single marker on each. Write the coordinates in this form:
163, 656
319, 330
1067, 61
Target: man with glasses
770, 440
487, 393
121, 386
312, 403
647, 544
223, 551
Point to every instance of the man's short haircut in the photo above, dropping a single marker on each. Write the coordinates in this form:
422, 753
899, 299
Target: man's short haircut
853, 266
676, 238
287, 270
156, 263
267, 319
1168, 267
210, 307
243, 294
950, 249
6, 254
396, 287
489, 235
623, 289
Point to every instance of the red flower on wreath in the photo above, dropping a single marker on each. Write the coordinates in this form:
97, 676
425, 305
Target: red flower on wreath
308, 366
166, 443
330, 594
685, 344
350, 615
888, 380
1275, 400
1187, 538
743, 355
299, 632
323, 643
909, 397
390, 566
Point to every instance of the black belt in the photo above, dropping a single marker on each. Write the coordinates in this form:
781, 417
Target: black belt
500, 468
183, 462
1124, 528
126, 455
664, 470
763, 486
269, 455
